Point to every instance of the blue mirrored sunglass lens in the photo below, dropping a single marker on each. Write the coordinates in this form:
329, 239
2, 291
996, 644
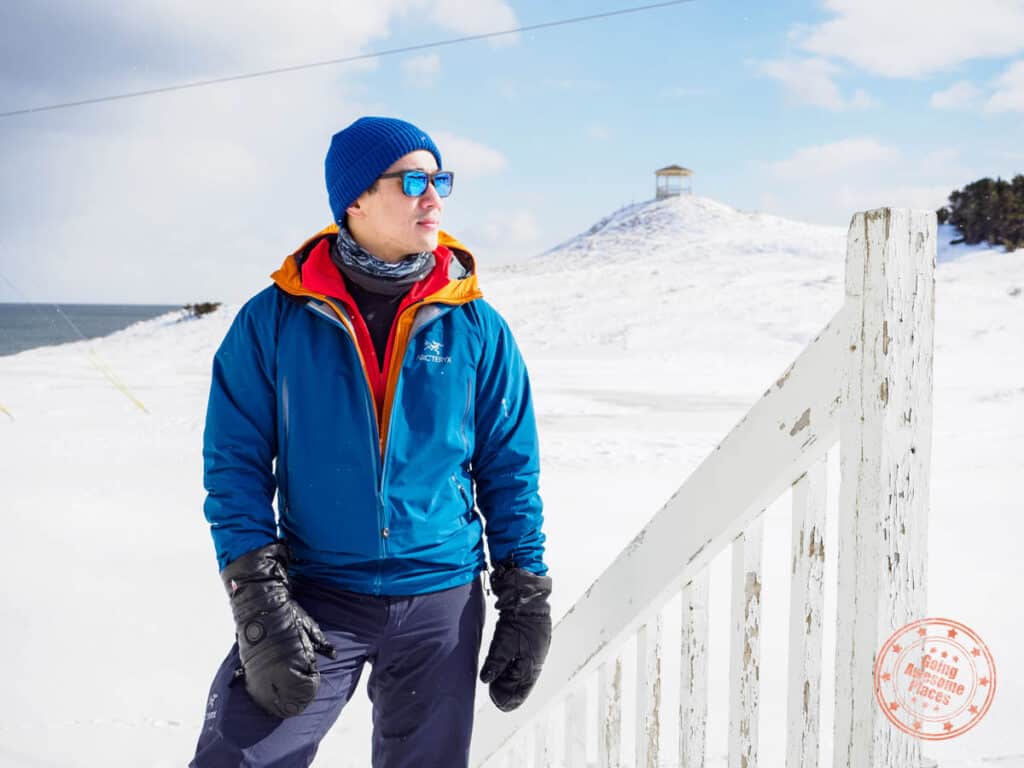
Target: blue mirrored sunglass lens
414, 184
443, 184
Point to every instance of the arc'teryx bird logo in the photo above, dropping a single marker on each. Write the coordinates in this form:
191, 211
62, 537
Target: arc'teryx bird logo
432, 352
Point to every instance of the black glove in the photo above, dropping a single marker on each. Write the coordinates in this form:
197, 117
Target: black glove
277, 640
522, 635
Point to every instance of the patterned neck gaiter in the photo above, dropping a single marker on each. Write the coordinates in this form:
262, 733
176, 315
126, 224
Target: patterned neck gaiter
348, 253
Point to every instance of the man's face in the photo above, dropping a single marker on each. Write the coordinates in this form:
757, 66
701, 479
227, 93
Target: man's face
390, 224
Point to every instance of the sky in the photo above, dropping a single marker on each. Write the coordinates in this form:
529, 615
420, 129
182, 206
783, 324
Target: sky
809, 110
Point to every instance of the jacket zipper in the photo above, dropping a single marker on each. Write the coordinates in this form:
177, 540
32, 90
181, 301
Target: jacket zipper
397, 363
397, 359
378, 462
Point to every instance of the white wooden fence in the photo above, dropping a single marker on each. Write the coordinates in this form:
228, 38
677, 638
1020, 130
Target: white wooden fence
864, 382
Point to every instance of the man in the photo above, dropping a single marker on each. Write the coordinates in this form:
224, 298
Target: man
388, 406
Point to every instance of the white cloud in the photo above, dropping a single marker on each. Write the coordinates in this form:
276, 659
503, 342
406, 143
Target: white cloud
467, 157
960, 95
826, 159
276, 34
472, 18
171, 198
505, 237
926, 198
827, 202
495, 237
199, 193
1009, 94
516, 228
598, 132
110, 47
810, 81
320, 29
422, 70
828, 184
862, 100
910, 38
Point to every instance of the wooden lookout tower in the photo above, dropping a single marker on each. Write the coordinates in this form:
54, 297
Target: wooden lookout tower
672, 180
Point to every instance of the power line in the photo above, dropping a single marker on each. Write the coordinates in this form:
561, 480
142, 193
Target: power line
345, 60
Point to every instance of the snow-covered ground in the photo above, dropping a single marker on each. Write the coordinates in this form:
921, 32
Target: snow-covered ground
647, 338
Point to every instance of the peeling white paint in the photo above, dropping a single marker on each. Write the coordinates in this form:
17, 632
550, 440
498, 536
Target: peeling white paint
885, 460
693, 670
806, 606
745, 647
609, 714
648, 691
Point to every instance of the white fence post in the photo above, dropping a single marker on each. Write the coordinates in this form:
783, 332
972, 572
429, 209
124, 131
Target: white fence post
609, 714
693, 673
745, 647
885, 452
648, 687
806, 599
576, 729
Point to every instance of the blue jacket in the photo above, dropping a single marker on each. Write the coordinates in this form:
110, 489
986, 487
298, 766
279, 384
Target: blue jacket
398, 508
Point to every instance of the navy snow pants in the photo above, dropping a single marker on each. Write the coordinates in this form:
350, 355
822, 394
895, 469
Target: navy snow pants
423, 651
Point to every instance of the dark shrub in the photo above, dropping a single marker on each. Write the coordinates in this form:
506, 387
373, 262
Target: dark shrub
988, 211
200, 309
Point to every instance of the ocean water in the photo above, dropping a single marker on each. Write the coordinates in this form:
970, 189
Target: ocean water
26, 326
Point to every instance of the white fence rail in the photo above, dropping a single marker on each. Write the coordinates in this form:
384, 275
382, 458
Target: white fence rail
865, 382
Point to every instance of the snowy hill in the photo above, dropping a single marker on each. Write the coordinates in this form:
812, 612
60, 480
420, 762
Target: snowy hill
674, 278
647, 338
664, 225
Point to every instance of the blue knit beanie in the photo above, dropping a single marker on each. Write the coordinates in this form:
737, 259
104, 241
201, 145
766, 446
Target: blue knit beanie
363, 151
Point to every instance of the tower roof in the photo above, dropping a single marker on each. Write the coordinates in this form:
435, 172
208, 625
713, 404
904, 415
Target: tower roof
673, 170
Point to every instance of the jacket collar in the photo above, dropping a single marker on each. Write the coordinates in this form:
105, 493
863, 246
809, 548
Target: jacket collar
462, 285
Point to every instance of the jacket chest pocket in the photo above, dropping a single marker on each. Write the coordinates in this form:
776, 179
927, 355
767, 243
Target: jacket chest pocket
436, 405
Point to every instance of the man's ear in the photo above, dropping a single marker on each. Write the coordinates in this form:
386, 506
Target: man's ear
355, 210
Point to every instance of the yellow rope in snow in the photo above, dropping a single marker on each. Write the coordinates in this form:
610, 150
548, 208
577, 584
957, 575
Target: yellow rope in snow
96, 361
112, 378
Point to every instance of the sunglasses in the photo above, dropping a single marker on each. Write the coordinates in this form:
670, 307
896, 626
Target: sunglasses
414, 183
